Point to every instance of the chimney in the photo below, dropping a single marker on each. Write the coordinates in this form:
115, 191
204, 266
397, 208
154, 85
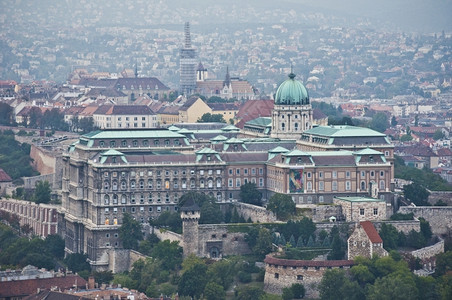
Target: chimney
91, 283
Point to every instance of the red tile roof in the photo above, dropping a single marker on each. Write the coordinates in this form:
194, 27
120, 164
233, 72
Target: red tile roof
371, 232
21, 288
4, 177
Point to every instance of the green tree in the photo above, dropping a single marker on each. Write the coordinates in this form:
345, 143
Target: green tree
379, 122
130, 232
55, 245
406, 138
214, 291
170, 220
282, 205
389, 235
394, 287
335, 285
263, 243
250, 194
42, 192
208, 118
77, 262
249, 292
443, 263
211, 214
438, 135
86, 124
6, 114
169, 254
222, 272
193, 281
416, 194
393, 121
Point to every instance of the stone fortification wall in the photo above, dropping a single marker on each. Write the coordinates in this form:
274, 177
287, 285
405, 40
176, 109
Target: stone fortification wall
434, 197
404, 226
43, 161
120, 260
439, 217
256, 213
281, 273
42, 218
219, 236
30, 182
324, 212
168, 235
429, 252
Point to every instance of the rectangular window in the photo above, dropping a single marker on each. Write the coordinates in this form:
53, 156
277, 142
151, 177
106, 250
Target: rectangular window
261, 182
230, 183
321, 185
261, 171
230, 171
361, 211
348, 186
309, 174
238, 171
320, 174
238, 182
245, 171
253, 171
363, 174
334, 174
375, 211
347, 174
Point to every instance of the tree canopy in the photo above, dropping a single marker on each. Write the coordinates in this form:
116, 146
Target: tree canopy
130, 232
250, 194
282, 205
208, 118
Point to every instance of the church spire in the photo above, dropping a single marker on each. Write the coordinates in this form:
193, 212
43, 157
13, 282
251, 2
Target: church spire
136, 68
227, 80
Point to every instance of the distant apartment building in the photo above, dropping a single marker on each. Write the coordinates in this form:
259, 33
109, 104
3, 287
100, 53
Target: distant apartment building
125, 116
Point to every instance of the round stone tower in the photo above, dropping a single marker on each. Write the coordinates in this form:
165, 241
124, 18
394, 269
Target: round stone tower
292, 113
190, 213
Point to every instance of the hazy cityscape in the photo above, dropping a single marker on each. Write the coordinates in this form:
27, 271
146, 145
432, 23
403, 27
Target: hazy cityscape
225, 149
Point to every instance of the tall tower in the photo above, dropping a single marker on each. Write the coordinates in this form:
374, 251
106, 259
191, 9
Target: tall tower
190, 214
187, 64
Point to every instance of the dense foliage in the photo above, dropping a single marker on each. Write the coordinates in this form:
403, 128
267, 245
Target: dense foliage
424, 178
15, 157
282, 206
130, 232
250, 194
18, 252
210, 118
382, 278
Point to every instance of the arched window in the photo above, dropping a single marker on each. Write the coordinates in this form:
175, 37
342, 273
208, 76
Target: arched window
363, 185
150, 183
283, 126
106, 185
218, 182
123, 185
201, 183
382, 184
141, 184
309, 185
219, 196
296, 126
132, 184
106, 199
115, 185
210, 183
123, 199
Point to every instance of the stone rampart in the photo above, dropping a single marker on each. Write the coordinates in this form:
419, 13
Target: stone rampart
434, 197
120, 260
255, 213
222, 238
324, 212
43, 161
281, 273
427, 253
404, 226
439, 217
163, 234
30, 182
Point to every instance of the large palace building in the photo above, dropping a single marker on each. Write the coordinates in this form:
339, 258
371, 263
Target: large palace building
144, 172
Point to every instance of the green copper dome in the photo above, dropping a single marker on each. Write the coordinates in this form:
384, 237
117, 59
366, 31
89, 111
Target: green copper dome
291, 92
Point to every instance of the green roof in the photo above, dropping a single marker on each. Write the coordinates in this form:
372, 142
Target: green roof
219, 138
359, 199
368, 151
297, 152
291, 92
173, 128
206, 151
262, 121
278, 149
343, 131
112, 152
185, 130
234, 141
230, 128
121, 134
